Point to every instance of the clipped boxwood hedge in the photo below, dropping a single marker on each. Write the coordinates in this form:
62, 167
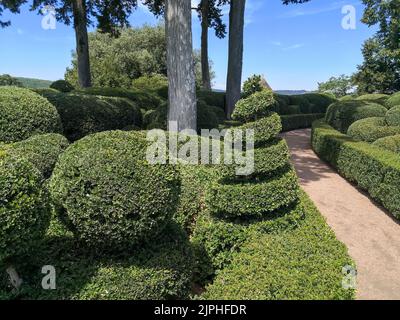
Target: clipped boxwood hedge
319, 102
267, 159
62, 86
375, 97
371, 129
254, 198
393, 101
159, 270
342, 114
299, 121
391, 143
303, 263
42, 151
212, 98
256, 106
85, 114
372, 168
265, 129
24, 113
24, 209
393, 116
143, 99
107, 193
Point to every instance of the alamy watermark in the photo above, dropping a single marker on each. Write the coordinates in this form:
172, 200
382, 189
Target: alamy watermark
49, 17
234, 147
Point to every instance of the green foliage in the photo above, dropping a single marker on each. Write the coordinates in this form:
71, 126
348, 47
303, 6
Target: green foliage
41, 151
143, 99
85, 114
371, 129
253, 198
393, 116
301, 263
62, 86
7, 80
24, 113
342, 114
206, 116
375, 97
253, 84
109, 195
299, 121
289, 109
372, 168
212, 98
339, 86
160, 269
391, 143
256, 106
157, 83
393, 101
319, 102
24, 209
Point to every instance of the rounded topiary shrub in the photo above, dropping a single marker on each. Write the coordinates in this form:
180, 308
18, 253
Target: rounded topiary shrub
24, 210
391, 143
206, 116
342, 114
319, 102
24, 113
85, 114
371, 129
375, 97
41, 150
301, 101
256, 106
393, 116
393, 101
62, 86
108, 194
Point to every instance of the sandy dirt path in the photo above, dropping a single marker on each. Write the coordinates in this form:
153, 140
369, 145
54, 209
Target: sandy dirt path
371, 235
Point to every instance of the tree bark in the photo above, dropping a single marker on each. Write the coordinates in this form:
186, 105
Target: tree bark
180, 64
82, 43
205, 67
235, 58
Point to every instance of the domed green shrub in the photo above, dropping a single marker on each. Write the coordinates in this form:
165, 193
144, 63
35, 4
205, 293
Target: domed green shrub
108, 194
256, 106
24, 113
143, 99
286, 110
347, 97
85, 114
41, 150
301, 101
319, 102
375, 97
62, 86
153, 83
391, 143
212, 98
253, 198
24, 210
206, 116
393, 116
342, 114
372, 129
393, 101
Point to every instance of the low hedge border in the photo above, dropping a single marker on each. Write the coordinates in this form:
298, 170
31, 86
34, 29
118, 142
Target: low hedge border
256, 198
372, 129
299, 121
372, 168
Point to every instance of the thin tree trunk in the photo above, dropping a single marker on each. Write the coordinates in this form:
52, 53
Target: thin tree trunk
82, 43
235, 59
180, 63
205, 67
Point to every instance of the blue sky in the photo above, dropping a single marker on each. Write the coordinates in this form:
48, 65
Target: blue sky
294, 46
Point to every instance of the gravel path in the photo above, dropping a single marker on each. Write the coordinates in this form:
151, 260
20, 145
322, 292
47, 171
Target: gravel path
371, 235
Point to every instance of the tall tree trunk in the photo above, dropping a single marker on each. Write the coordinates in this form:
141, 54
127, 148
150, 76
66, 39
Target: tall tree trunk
205, 67
235, 59
82, 43
180, 64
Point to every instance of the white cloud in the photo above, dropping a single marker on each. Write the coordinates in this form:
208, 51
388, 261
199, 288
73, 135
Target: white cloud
301, 11
294, 47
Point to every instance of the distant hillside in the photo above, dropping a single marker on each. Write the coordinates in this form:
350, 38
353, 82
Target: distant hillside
34, 83
284, 92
